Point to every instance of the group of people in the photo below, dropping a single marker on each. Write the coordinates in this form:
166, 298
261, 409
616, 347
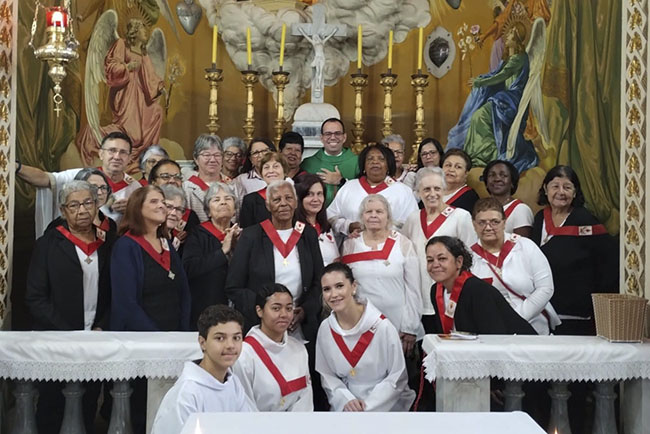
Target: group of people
333, 267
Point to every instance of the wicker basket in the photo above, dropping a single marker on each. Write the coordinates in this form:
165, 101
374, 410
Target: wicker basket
619, 317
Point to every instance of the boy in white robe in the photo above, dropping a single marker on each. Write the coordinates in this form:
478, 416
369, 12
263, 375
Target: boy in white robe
207, 385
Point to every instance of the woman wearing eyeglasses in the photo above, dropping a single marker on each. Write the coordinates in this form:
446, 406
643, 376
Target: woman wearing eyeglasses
234, 150
68, 288
429, 153
208, 157
396, 143
514, 265
251, 179
180, 220
274, 167
150, 158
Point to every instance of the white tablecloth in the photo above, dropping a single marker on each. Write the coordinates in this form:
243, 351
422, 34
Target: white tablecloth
530, 358
361, 423
87, 355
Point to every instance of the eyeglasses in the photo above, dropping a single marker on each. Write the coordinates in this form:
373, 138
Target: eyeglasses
102, 188
492, 223
208, 157
337, 134
178, 209
260, 152
230, 155
169, 176
88, 204
113, 151
429, 154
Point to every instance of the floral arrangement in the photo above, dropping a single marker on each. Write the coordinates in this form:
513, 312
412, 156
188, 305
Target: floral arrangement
175, 70
469, 38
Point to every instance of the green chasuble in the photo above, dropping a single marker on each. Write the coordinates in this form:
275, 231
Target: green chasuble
346, 162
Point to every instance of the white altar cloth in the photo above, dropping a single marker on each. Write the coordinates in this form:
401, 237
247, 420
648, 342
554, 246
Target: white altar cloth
535, 358
361, 423
89, 355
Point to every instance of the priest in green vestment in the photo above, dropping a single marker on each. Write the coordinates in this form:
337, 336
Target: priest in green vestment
334, 163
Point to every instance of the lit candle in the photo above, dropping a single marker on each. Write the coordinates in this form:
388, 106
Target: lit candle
282, 40
56, 16
420, 36
390, 50
249, 49
359, 46
215, 32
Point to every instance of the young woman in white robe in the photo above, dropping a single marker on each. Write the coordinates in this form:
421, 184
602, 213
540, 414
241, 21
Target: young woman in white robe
358, 351
514, 265
386, 267
435, 219
273, 366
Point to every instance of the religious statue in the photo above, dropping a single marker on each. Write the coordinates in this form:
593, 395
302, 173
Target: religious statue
134, 69
318, 41
493, 120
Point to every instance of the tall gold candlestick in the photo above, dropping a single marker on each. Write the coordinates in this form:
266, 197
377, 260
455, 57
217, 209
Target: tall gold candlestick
214, 76
280, 80
358, 82
419, 82
249, 78
388, 82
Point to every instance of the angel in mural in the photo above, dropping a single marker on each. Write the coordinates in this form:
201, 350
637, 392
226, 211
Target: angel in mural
493, 120
133, 68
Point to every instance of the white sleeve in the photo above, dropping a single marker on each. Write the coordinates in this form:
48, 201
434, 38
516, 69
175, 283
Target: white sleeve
335, 213
384, 395
466, 231
337, 392
408, 206
306, 400
174, 411
412, 310
244, 370
542, 281
46, 207
521, 216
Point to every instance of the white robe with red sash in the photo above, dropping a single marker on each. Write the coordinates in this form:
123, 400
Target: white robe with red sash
457, 223
291, 360
518, 215
379, 375
526, 271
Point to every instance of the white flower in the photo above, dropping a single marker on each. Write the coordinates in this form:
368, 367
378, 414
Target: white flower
468, 40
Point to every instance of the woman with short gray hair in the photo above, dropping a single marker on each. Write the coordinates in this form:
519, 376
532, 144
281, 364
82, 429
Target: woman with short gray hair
435, 219
208, 249
396, 143
234, 151
149, 158
180, 219
208, 157
68, 288
386, 267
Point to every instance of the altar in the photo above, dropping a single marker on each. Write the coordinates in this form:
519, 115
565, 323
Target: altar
462, 370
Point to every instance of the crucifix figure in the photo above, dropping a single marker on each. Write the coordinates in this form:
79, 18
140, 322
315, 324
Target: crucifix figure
318, 33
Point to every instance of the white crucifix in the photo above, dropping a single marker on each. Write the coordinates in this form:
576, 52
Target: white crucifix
318, 33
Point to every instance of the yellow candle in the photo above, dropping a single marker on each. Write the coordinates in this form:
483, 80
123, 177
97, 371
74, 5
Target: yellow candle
359, 46
249, 49
215, 32
390, 50
282, 39
420, 48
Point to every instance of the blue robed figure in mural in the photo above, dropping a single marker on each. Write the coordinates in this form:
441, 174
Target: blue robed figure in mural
497, 104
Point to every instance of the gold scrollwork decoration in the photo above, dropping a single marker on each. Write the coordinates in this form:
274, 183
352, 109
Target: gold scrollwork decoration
633, 91
5, 37
632, 163
632, 188
635, 20
4, 136
632, 284
5, 12
3, 186
4, 87
633, 116
635, 68
633, 139
632, 261
635, 43
633, 212
632, 236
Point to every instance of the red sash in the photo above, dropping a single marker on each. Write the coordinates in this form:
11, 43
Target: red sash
512, 207
431, 229
361, 346
317, 227
104, 225
447, 315
198, 182
87, 248
575, 231
208, 226
183, 222
262, 193
163, 259
376, 189
286, 387
381, 255
143, 182
492, 259
272, 233
458, 194
115, 186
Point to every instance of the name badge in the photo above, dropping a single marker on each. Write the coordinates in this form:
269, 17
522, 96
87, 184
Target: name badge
450, 310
